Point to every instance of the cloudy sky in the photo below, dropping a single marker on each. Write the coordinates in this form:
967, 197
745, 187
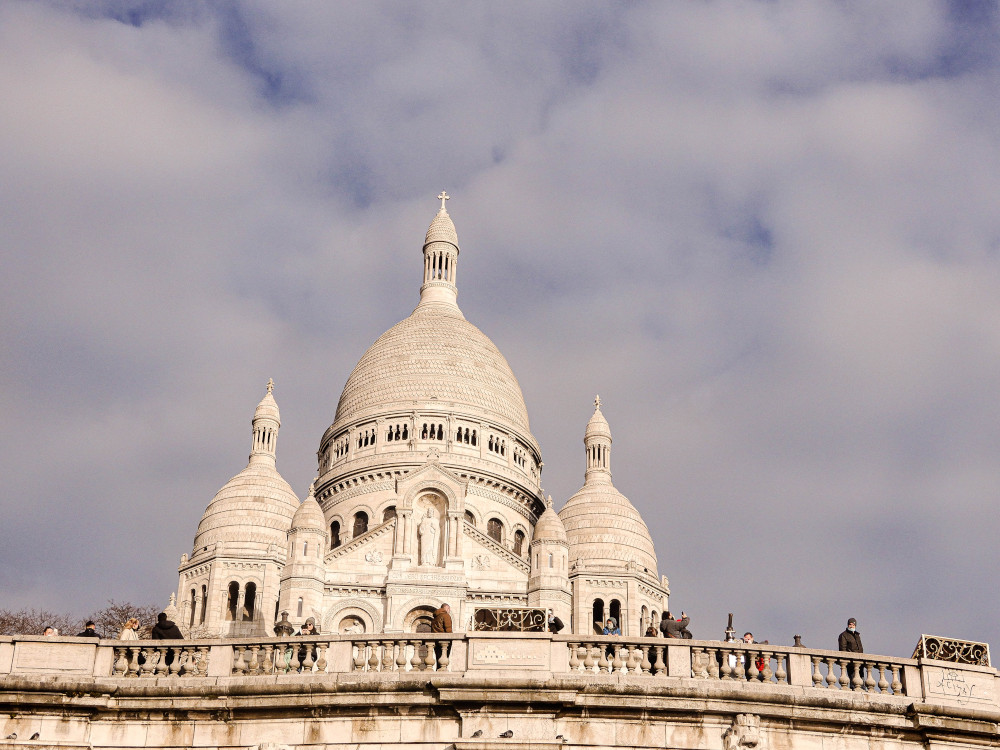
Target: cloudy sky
767, 233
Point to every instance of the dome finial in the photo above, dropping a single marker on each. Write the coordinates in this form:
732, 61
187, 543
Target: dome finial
444, 197
597, 402
548, 501
312, 487
270, 385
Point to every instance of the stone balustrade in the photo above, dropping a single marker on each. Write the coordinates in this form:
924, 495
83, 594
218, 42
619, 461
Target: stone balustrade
542, 654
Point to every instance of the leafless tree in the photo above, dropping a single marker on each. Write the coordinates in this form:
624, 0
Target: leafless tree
34, 621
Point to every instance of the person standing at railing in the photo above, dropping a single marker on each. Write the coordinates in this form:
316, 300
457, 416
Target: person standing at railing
850, 641
131, 630
90, 631
309, 629
441, 624
166, 630
672, 628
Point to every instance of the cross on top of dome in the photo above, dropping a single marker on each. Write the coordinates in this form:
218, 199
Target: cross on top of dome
597, 402
443, 197
270, 385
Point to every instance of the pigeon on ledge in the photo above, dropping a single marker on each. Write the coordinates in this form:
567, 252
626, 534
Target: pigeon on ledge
478, 733
508, 734
12, 736
34, 736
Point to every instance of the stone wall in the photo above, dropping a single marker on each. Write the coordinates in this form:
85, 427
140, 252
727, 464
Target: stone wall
388, 692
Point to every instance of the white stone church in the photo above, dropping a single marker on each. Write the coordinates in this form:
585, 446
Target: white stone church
428, 491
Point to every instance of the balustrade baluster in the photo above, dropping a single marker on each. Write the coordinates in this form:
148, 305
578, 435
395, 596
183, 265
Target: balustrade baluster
321, 661
401, 660
121, 663
431, 655
845, 678
416, 663
134, 668
309, 661
589, 661
831, 674
281, 656
373, 649
817, 676
203, 652
444, 661
174, 667
267, 662
254, 666
603, 665
739, 671
295, 664
896, 685
240, 665
388, 658
779, 673
660, 666
148, 666
857, 682
644, 664
727, 664
883, 684
616, 658
753, 673
574, 656
713, 664
869, 679
766, 673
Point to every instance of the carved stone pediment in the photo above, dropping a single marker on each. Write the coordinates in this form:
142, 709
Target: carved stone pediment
431, 476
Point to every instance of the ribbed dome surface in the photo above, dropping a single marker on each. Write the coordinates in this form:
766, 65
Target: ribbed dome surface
254, 507
550, 527
602, 526
267, 409
597, 426
434, 354
442, 229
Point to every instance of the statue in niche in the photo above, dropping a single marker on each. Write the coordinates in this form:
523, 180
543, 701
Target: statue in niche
427, 532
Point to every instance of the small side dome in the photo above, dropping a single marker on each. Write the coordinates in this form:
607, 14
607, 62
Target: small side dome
309, 515
549, 527
603, 527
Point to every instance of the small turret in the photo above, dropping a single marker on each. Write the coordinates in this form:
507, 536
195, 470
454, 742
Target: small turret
548, 584
301, 591
440, 260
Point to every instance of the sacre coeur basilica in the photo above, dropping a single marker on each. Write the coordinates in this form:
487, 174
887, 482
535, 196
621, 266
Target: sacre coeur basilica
428, 491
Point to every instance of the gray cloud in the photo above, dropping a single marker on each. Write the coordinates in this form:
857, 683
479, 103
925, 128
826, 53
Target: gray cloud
765, 233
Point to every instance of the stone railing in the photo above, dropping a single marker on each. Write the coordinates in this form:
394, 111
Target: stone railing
543, 655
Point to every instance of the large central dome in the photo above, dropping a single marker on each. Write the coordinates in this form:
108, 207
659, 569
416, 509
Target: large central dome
434, 355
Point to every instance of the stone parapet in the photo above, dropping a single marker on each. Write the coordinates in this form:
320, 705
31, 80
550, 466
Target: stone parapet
383, 692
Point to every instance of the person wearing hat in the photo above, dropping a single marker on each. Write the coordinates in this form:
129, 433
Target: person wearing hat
850, 641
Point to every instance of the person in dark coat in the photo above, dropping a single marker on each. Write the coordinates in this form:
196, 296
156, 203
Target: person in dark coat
90, 631
672, 628
165, 630
553, 623
441, 624
308, 629
850, 641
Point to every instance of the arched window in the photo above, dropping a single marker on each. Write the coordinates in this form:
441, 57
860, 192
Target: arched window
305, 549
494, 528
473, 437
518, 542
233, 601
194, 606
249, 597
598, 617
360, 524
389, 513
551, 559
615, 612
204, 603
335, 535
470, 517
423, 432
440, 432
298, 608
643, 622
